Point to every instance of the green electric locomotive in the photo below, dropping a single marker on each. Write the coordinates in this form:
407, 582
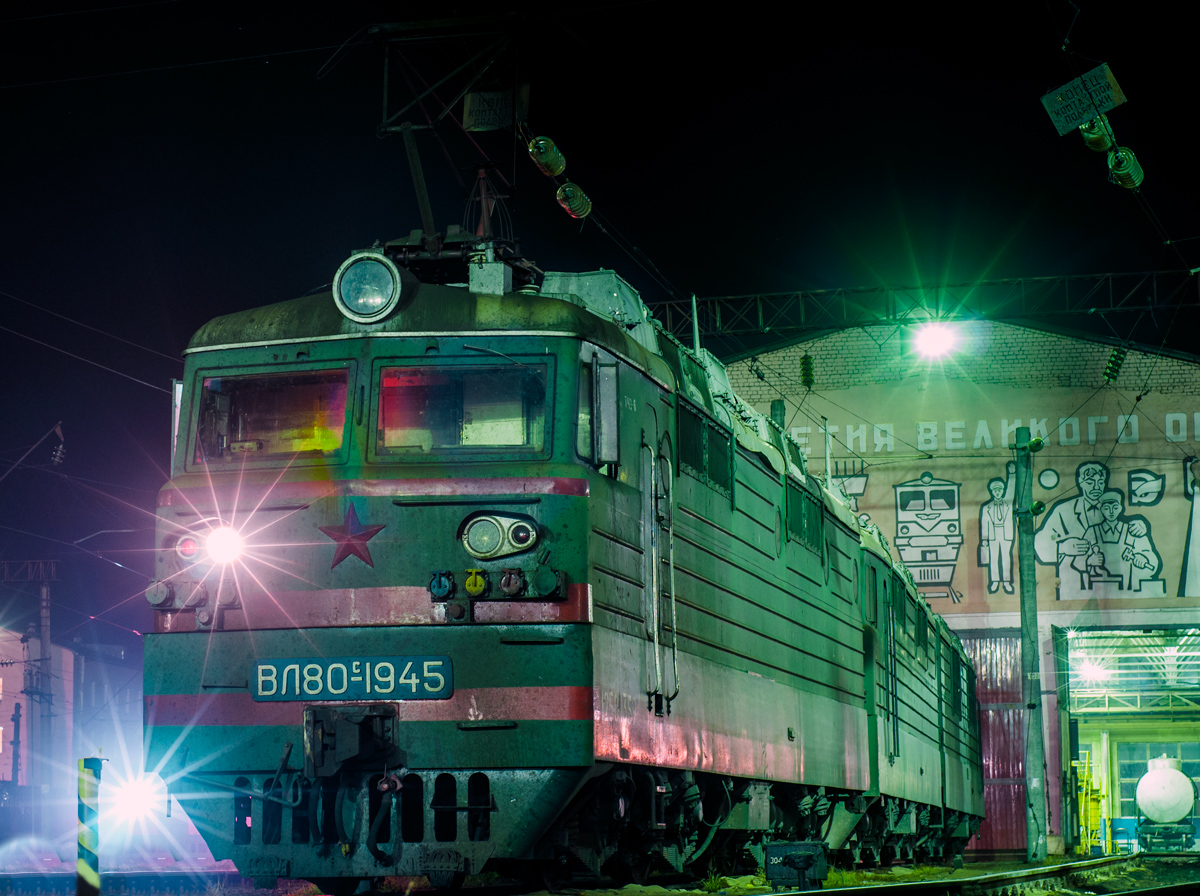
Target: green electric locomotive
457, 570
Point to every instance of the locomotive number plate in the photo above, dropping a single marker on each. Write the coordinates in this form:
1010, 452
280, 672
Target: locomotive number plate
354, 678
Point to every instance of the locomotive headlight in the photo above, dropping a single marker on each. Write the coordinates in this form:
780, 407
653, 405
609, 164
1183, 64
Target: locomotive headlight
366, 287
491, 535
135, 798
224, 545
483, 538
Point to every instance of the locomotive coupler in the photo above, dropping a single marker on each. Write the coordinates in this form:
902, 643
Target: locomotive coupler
354, 736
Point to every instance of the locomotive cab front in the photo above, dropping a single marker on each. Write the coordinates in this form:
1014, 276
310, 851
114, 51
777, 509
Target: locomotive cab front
371, 653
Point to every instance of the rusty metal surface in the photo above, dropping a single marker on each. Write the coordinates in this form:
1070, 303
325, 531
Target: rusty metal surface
997, 659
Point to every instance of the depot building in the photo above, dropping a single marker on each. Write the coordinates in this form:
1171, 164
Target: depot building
924, 448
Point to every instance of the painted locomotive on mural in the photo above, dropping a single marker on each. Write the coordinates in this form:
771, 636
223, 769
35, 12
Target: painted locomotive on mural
462, 566
929, 532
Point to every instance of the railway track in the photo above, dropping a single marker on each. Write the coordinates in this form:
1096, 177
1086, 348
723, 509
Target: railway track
120, 883
1090, 875
1087, 875
1002, 883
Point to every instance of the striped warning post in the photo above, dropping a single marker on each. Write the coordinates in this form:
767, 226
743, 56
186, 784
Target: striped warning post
87, 867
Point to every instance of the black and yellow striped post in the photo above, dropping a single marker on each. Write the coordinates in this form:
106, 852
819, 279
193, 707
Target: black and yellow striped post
87, 867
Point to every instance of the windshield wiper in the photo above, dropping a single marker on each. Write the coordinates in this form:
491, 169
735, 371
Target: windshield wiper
492, 351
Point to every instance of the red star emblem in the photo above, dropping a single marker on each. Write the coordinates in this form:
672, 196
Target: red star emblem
351, 537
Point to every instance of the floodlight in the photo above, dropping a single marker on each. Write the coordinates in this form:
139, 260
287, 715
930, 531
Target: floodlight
1092, 671
934, 340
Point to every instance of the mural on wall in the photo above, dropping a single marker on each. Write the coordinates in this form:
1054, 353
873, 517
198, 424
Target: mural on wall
1189, 574
997, 530
929, 532
1095, 547
933, 463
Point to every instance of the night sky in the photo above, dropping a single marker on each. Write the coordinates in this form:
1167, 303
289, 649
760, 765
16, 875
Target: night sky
146, 191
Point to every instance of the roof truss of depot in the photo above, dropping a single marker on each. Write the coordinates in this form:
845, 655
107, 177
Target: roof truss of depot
1119, 309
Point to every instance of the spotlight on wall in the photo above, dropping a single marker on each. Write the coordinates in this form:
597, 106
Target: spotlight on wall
935, 340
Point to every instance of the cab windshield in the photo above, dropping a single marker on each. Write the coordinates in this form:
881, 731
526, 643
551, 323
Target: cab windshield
424, 410
247, 417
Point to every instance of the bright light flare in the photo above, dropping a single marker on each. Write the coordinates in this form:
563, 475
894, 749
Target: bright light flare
224, 544
135, 799
1090, 671
935, 340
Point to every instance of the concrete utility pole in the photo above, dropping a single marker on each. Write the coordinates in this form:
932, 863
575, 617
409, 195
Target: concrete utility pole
1031, 655
16, 745
46, 686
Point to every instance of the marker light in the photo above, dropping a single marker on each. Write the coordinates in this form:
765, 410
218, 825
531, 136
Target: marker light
935, 340
224, 545
187, 548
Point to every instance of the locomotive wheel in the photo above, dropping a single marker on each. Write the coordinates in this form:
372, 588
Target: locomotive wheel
550, 874
625, 869
446, 880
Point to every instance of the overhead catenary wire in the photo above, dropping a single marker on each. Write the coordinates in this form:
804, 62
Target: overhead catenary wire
83, 12
79, 323
85, 360
165, 68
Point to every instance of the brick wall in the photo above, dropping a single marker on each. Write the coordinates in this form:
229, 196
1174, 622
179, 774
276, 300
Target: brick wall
988, 354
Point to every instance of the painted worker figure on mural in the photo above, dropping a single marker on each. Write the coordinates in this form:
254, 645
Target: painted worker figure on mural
1061, 539
1189, 575
997, 530
1115, 548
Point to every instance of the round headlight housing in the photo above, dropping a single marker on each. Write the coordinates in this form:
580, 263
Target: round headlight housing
487, 536
367, 286
483, 537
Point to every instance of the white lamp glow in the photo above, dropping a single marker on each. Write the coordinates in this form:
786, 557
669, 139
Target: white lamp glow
224, 545
1092, 671
135, 799
936, 340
